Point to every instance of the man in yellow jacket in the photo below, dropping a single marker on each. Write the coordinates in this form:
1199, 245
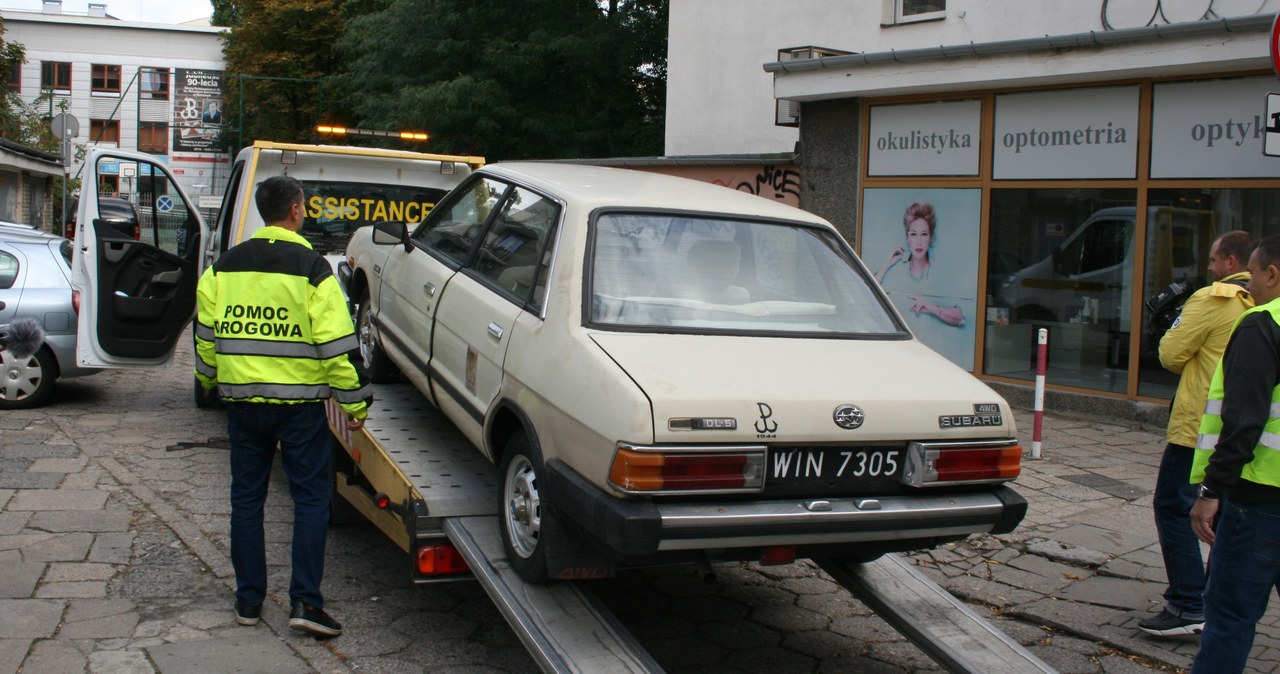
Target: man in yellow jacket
1192, 348
274, 335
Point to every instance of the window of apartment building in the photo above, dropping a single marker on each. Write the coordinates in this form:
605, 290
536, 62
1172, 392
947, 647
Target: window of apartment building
153, 137
104, 131
154, 83
910, 11
105, 79
56, 76
15, 77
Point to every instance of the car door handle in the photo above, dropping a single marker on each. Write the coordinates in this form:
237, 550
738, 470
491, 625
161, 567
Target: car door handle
495, 331
429, 289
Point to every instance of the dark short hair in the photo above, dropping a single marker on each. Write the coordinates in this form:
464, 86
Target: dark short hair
1268, 251
275, 195
1237, 243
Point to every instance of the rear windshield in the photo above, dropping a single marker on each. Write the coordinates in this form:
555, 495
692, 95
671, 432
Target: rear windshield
335, 209
676, 273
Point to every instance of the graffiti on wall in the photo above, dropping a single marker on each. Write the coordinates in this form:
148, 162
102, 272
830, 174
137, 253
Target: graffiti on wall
777, 182
772, 182
1117, 14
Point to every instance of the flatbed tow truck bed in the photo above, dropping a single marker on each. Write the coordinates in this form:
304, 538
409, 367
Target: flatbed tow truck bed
437, 487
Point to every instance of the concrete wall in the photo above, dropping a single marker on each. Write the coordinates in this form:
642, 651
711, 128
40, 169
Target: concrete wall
829, 162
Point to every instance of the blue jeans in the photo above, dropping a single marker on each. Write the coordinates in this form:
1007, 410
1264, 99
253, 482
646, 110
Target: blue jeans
1244, 566
302, 433
1183, 563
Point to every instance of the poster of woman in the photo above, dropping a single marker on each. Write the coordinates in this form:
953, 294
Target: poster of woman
922, 246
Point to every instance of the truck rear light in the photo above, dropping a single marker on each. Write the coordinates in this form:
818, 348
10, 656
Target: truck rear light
75, 301
932, 464
683, 470
440, 559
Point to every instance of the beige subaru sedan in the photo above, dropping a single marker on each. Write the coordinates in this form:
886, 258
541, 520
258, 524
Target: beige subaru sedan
668, 370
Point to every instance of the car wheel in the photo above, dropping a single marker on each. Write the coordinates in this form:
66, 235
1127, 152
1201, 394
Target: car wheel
526, 521
26, 382
205, 398
380, 368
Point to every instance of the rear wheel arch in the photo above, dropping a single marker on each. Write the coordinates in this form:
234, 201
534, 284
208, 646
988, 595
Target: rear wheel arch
508, 419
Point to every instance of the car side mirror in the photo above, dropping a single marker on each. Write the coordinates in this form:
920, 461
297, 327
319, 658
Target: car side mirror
392, 233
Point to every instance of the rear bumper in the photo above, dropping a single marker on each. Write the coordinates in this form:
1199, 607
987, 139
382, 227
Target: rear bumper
647, 528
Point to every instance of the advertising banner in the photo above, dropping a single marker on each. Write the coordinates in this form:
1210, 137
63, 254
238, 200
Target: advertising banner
197, 111
922, 246
1212, 129
1069, 134
925, 139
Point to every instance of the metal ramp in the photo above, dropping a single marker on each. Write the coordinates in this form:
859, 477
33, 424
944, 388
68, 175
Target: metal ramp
563, 625
942, 626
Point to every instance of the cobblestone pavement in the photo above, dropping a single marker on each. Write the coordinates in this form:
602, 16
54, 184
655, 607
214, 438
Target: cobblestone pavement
113, 538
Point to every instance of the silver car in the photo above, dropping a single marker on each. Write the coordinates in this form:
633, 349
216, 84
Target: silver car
35, 282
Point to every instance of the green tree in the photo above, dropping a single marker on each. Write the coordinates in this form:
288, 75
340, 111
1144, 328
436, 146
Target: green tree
277, 53
511, 78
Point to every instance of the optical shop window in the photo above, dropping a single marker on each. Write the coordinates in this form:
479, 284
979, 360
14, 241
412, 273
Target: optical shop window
1061, 259
1182, 225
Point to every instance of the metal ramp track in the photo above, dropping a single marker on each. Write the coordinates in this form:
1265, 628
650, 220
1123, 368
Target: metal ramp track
942, 626
563, 625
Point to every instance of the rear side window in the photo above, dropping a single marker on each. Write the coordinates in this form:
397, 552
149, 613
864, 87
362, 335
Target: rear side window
8, 270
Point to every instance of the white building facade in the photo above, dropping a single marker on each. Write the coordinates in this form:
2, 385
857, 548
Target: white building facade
1061, 162
154, 88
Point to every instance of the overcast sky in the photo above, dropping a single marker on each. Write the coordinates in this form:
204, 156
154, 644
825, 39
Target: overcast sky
152, 11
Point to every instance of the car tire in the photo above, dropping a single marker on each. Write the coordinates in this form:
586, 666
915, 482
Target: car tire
526, 522
205, 398
376, 363
26, 382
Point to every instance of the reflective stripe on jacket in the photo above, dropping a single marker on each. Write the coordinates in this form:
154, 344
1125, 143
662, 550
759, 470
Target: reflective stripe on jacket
1193, 347
1264, 468
272, 326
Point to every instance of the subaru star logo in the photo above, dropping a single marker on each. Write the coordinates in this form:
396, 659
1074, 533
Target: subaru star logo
849, 416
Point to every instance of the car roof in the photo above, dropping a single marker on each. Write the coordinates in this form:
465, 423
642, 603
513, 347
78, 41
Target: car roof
25, 235
598, 186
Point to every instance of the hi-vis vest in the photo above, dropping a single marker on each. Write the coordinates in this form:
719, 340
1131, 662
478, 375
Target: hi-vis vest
1265, 466
273, 326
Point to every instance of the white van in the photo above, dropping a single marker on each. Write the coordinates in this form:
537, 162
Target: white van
138, 294
1086, 278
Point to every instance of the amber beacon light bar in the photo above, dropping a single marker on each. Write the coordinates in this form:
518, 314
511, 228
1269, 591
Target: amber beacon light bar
344, 131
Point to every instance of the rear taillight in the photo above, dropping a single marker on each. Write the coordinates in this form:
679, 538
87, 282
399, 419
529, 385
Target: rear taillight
935, 463
439, 558
75, 301
683, 470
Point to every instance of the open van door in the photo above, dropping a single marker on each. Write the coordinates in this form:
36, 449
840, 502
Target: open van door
136, 295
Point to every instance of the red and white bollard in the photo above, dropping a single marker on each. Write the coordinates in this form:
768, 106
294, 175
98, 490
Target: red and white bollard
1042, 357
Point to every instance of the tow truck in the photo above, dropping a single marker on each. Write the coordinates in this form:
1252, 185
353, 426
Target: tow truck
419, 481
